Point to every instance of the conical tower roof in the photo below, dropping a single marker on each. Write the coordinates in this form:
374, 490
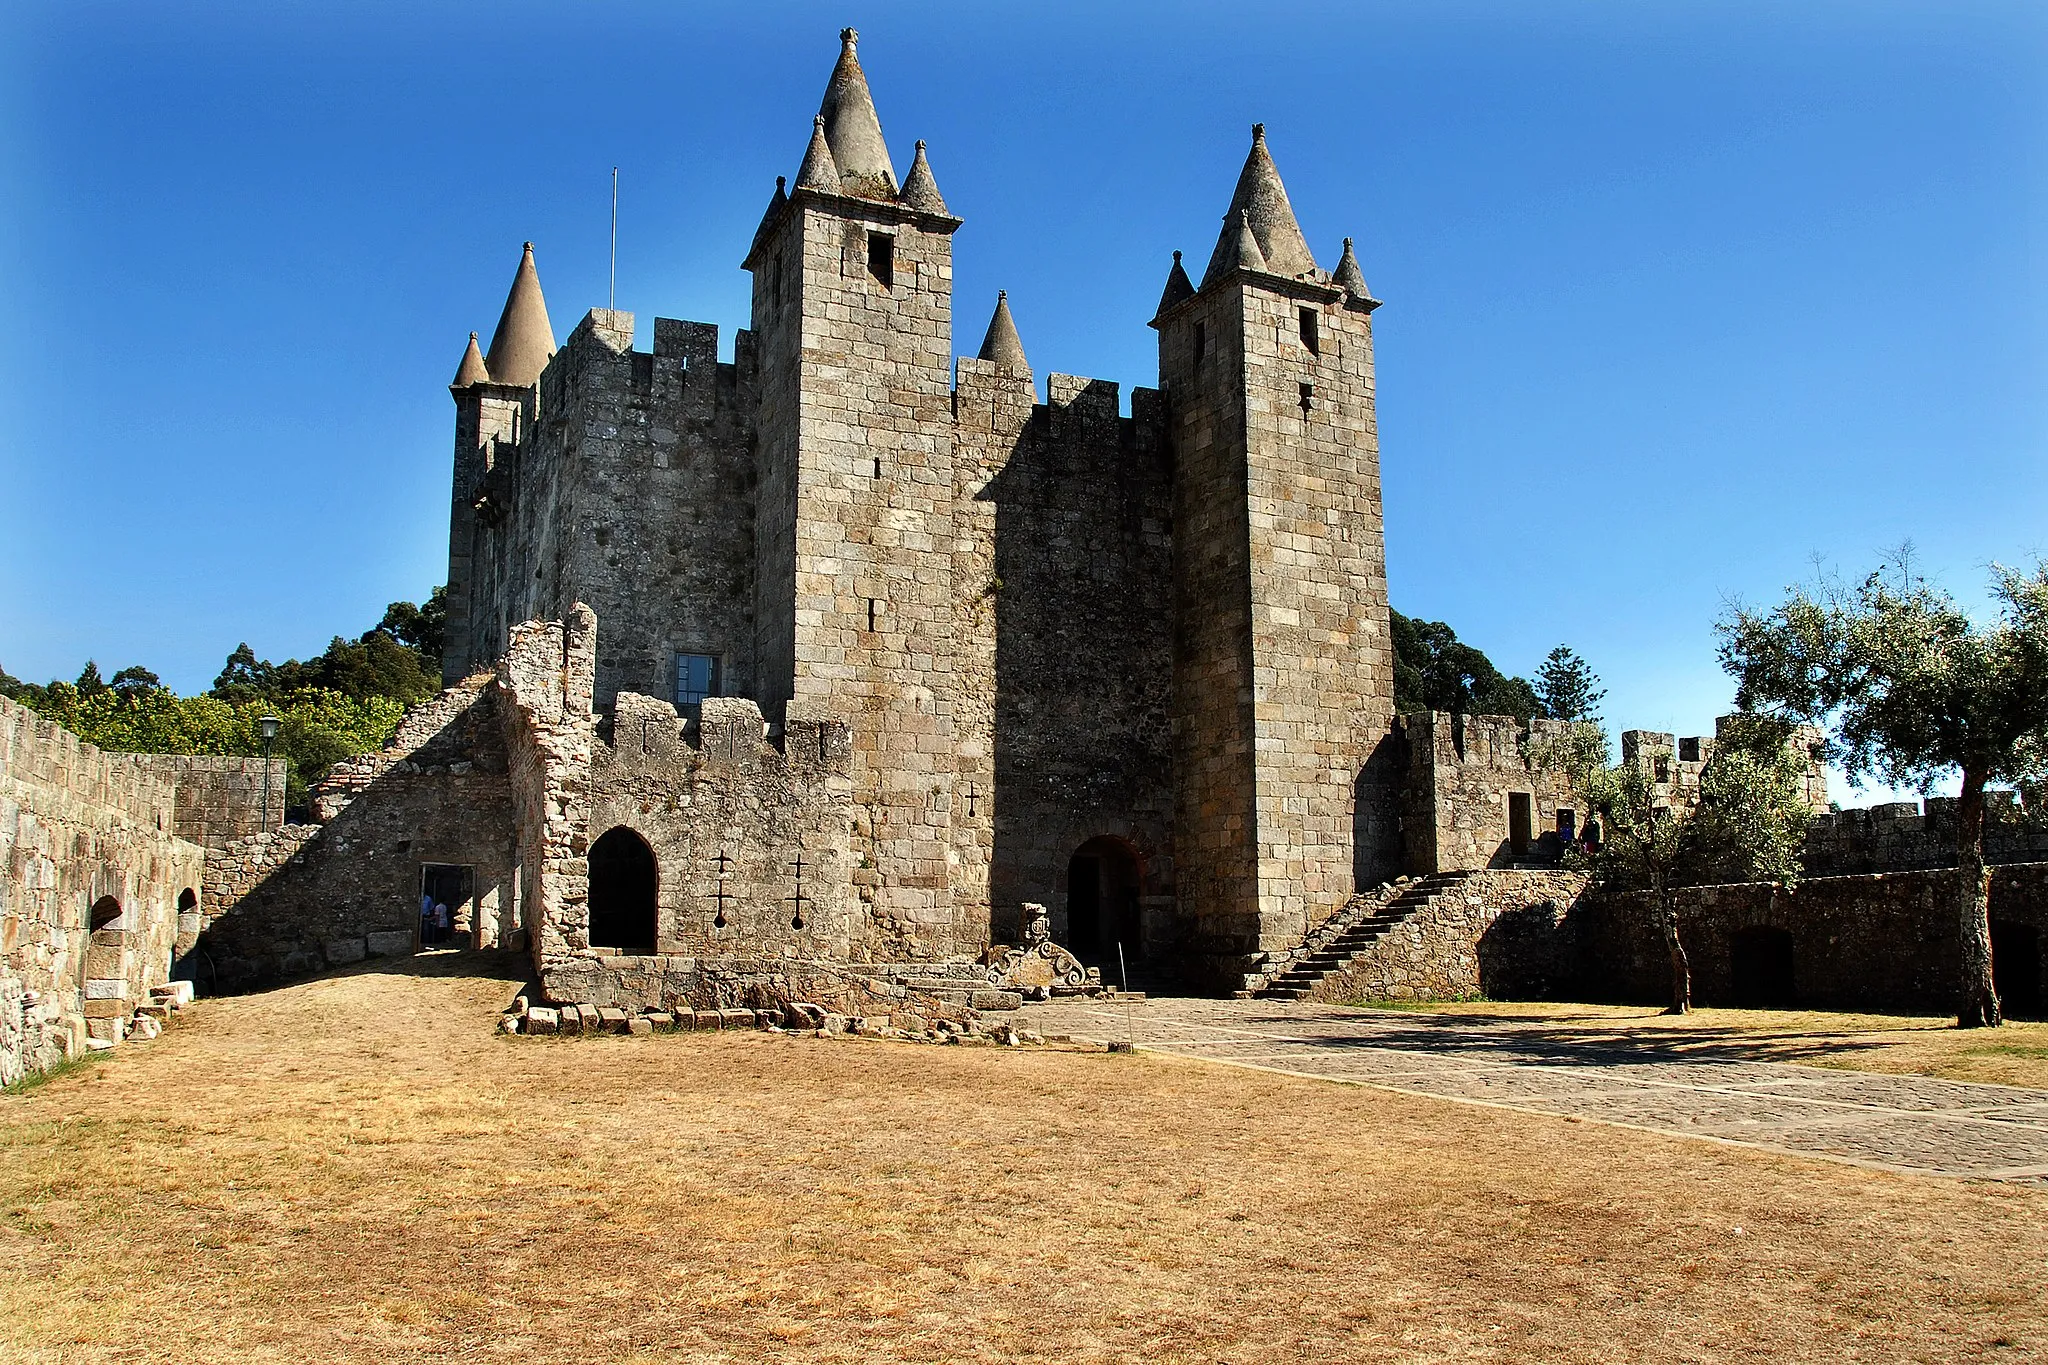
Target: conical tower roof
1349, 278
1178, 286
1245, 253
472, 370
1262, 200
1002, 345
819, 171
524, 341
852, 127
920, 191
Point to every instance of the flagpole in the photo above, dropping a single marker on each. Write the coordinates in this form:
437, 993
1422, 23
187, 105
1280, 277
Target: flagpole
612, 297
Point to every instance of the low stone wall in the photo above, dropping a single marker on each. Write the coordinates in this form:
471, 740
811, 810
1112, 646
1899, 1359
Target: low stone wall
92, 878
1900, 836
1886, 941
1499, 933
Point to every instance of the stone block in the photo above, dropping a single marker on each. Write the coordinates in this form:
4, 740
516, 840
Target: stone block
640, 1026
661, 1020
571, 1019
107, 988
178, 993
389, 943
541, 1019
611, 1019
106, 960
736, 1018
339, 952
996, 1000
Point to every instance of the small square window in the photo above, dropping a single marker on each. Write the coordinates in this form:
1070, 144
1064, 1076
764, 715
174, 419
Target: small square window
1201, 342
696, 678
882, 258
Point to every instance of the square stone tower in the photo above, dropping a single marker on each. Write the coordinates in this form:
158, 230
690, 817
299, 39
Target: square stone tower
855, 607
1283, 676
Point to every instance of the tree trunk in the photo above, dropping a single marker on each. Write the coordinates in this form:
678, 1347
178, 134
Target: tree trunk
1978, 1002
1681, 970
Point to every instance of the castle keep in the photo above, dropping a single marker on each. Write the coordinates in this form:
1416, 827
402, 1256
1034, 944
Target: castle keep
1147, 653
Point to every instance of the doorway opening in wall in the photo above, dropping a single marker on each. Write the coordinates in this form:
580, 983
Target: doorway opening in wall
624, 894
1104, 883
1760, 968
444, 904
1521, 823
2016, 968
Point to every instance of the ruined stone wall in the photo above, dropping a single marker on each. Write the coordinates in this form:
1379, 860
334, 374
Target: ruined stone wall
1080, 588
1497, 934
309, 897
1462, 774
220, 798
1881, 942
489, 421
82, 829
858, 473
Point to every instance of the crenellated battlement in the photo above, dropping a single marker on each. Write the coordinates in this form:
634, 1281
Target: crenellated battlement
37, 750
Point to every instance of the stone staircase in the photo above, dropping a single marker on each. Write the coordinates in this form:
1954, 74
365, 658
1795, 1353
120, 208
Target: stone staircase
1350, 934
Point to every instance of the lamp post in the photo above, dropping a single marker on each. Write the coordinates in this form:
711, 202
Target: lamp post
267, 727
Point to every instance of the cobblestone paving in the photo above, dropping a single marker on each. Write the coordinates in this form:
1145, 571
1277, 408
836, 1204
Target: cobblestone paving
1900, 1123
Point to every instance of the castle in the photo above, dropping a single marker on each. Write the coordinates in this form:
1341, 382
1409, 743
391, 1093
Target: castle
848, 672
1149, 651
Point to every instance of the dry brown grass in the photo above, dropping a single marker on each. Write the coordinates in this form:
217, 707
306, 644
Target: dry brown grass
357, 1169
2013, 1054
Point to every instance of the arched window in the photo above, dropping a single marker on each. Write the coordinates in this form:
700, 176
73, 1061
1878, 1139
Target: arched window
106, 914
624, 887
188, 901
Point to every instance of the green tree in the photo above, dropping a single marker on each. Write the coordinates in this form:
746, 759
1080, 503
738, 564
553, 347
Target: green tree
1748, 823
1434, 671
1914, 692
1568, 687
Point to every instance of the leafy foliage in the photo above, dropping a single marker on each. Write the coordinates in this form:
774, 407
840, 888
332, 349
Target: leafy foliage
1748, 824
1433, 671
1913, 691
346, 701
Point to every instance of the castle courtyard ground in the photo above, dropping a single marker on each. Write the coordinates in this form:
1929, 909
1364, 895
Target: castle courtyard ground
358, 1168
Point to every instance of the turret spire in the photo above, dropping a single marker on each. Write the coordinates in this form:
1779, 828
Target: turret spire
1178, 286
1261, 200
1002, 345
1349, 278
472, 370
853, 129
920, 191
819, 171
524, 341
1245, 254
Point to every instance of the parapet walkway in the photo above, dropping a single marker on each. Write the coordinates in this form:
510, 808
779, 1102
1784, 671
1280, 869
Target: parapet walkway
1911, 1124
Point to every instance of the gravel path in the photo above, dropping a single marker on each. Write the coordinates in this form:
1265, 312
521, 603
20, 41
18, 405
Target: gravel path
1898, 1123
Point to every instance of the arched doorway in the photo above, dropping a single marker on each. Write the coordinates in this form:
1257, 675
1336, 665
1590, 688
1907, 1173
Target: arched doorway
1104, 883
624, 886
2016, 967
1760, 968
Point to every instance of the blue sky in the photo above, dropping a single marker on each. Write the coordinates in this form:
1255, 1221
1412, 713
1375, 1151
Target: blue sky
1678, 296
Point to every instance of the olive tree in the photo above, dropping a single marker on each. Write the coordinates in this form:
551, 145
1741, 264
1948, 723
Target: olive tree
1913, 691
1747, 821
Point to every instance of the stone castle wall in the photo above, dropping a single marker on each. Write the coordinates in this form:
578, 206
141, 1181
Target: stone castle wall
1080, 590
309, 897
93, 877
222, 798
1462, 774
1902, 836
1885, 941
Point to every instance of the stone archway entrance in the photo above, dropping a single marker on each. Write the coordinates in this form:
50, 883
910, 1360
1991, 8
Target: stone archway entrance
624, 894
1104, 883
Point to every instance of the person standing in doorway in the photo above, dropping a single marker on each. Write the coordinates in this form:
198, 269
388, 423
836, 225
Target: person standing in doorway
426, 918
440, 922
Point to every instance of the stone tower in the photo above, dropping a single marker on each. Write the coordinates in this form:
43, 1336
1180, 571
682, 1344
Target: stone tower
496, 397
1283, 679
855, 603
